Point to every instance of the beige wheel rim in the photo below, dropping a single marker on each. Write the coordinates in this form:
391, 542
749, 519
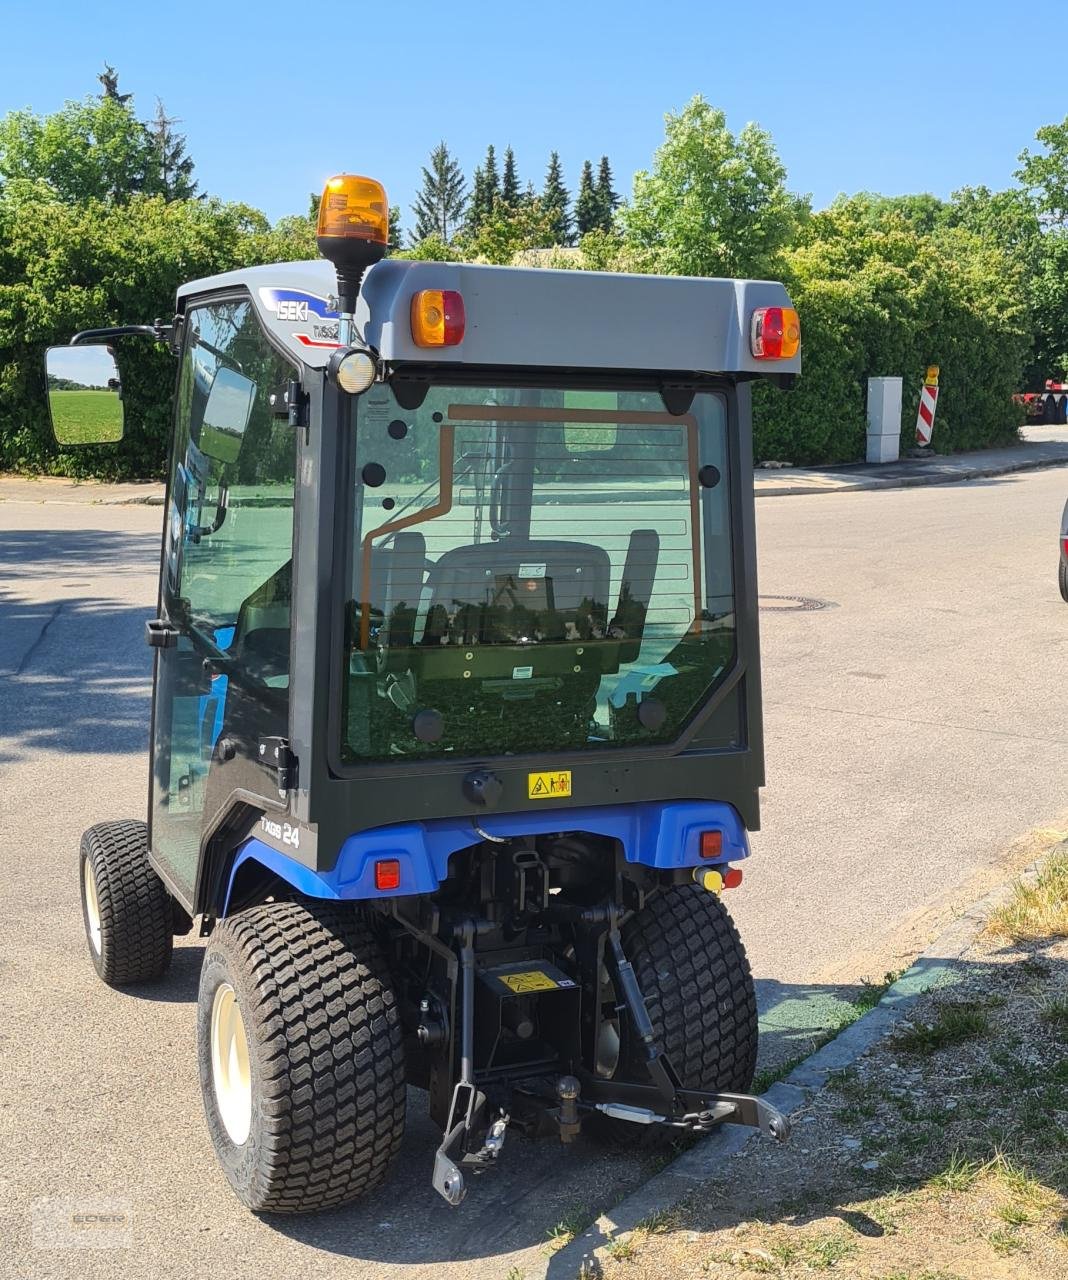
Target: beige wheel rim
230, 1075
92, 905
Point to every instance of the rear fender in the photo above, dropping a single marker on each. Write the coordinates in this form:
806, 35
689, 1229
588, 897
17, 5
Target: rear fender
663, 836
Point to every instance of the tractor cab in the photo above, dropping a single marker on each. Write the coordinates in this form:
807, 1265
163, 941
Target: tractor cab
456, 718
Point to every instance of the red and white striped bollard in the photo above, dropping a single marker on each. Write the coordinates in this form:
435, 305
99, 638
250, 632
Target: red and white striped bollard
928, 403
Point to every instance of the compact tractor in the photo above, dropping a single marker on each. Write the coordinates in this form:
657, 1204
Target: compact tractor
456, 723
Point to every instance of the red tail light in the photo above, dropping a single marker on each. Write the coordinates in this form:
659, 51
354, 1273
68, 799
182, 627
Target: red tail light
387, 873
711, 844
775, 333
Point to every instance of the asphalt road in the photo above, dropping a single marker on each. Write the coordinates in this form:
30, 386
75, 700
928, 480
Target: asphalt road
916, 726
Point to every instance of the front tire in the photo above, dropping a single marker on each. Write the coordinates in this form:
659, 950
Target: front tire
126, 909
301, 1057
694, 974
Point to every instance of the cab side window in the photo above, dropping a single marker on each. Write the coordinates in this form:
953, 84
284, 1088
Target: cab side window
230, 527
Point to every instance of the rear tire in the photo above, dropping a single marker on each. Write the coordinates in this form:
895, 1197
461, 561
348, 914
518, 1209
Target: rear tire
126, 908
694, 974
1062, 578
301, 1057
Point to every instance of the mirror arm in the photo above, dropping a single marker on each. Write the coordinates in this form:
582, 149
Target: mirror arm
158, 331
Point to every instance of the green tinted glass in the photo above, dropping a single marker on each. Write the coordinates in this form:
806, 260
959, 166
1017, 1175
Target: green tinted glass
535, 569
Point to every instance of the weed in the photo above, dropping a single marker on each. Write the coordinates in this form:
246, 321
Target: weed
621, 1250
659, 1220
763, 1080
1054, 1014
872, 992
825, 1251
958, 1175
574, 1220
1005, 1240
952, 1023
1015, 1215
919, 1275
514, 1274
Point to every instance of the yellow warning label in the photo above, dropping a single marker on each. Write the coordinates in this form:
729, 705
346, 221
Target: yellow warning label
534, 980
544, 786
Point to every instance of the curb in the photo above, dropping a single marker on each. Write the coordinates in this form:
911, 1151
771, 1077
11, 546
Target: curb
822, 482
707, 1157
910, 482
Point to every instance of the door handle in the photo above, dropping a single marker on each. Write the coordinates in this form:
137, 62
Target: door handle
161, 634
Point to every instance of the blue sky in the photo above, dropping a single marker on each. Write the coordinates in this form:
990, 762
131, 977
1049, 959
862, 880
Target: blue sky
274, 98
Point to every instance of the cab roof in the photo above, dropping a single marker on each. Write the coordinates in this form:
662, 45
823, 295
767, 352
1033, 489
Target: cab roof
519, 316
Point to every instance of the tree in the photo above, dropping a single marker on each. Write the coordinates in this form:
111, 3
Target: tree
109, 78
507, 231
486, 191
440, 203
95, 149
607, 199
555, 200
1046, 176
172, 175
587, 204
396, 230
714, 204
67, 265
510, 180
492, 178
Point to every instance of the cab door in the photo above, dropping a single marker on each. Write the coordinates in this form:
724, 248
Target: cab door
222, 637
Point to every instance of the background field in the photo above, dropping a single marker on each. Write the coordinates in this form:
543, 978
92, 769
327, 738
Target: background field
86, 417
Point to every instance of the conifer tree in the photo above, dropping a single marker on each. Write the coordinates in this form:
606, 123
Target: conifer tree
491, 176
555, 201
172, 170
439, 206
485, 192
606, 196
587, 202
510, 180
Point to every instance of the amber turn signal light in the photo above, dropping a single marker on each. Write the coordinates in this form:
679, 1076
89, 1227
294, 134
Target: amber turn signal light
354, 208
438, 318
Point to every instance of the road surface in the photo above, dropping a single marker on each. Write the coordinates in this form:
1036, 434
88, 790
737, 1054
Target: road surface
917, 724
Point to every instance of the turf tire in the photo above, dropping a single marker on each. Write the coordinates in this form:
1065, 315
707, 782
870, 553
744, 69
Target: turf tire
326, 1057
133, 907
694, 974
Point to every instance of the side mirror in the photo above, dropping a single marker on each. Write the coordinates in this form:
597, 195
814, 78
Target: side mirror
226, 414
84, 395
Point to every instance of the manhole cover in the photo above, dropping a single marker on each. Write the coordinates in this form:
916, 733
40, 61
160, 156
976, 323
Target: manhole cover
794, 604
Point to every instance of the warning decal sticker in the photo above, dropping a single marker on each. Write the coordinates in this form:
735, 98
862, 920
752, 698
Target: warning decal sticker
533, 980
547, 786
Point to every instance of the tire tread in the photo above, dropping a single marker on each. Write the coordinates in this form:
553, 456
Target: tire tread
135, 908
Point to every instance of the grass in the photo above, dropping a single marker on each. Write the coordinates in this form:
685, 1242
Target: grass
1005, 1240
959, 1174
1055, 1015
1036, 910
953, 1023
86, 417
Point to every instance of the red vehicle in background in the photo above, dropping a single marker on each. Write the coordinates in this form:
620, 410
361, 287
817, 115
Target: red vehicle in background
1049, 406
